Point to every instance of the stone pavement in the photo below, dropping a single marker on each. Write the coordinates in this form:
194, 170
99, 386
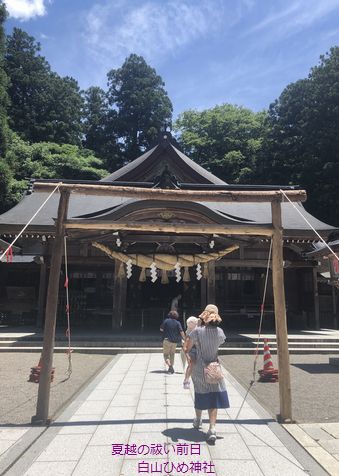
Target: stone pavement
133, 401
321, 440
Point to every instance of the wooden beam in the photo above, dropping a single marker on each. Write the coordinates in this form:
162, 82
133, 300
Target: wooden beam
177, 195
42, 408
256, 230
160, 238
280, 315
258, 263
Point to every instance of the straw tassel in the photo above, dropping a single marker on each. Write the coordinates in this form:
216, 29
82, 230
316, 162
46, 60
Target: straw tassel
164, 277
205, 273
186, 278
142, 277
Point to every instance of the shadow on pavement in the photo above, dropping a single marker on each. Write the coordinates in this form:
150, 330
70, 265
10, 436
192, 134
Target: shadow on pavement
317, 368
187, 434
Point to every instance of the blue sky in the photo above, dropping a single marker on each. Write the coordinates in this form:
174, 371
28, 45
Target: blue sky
208, 52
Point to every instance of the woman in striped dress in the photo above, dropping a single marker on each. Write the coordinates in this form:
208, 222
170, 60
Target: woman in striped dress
207, 340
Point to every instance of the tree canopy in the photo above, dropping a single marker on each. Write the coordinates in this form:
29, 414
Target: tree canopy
143, 106
43, 106
302, 145
99, 127
3, 85
50, 160
44, 160
226, 139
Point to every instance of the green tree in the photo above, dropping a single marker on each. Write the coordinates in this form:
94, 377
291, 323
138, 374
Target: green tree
302, 145
96, 110
3, 85
43, 160
50, 160
5, 186
66, 111
226, 139
5, 173
29, 88
99, 128
142, 104
44, 106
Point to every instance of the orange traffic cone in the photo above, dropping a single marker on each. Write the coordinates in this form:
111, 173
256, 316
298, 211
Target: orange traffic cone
35, 372
269, 373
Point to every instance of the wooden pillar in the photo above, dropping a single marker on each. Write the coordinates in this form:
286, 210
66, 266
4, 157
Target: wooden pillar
280, 315
211, 283
334, 304
316, 299
123, 295
42, 294
203, 293
116, 296
42, 408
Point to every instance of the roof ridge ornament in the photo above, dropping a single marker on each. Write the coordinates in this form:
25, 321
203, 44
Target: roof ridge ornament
166, 180
165, 136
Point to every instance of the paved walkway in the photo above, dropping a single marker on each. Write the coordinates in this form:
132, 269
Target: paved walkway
321, 440
134, 402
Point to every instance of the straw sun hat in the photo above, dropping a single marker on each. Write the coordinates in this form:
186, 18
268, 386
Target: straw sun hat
210, 314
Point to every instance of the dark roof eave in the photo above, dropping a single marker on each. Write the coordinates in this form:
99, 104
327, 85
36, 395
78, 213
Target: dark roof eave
15, 229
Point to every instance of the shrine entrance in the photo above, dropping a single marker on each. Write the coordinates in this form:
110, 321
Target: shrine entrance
147, 303
164, 261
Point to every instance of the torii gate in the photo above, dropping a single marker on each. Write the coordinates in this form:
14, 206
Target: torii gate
273, 230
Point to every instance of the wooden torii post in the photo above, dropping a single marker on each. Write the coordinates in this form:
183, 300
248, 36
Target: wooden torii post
42, 410
273, 230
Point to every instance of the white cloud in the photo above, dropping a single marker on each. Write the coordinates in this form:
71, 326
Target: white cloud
26, 9
294, 17
152, 29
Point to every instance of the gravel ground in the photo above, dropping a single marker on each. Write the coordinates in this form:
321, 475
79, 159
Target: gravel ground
314, 384
18, 396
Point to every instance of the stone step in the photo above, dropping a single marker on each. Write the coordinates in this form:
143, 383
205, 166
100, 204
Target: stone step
155, 338
124, 350
148, 343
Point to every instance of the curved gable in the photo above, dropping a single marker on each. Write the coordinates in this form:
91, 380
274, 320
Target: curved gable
164, 155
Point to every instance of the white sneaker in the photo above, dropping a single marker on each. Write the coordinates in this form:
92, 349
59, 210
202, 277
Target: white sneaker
211, 437
197, 423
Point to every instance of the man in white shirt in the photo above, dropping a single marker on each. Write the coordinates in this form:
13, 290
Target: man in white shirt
175, 303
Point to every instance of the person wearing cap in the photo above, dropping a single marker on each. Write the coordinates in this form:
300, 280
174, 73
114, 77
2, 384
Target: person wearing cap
207, 338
